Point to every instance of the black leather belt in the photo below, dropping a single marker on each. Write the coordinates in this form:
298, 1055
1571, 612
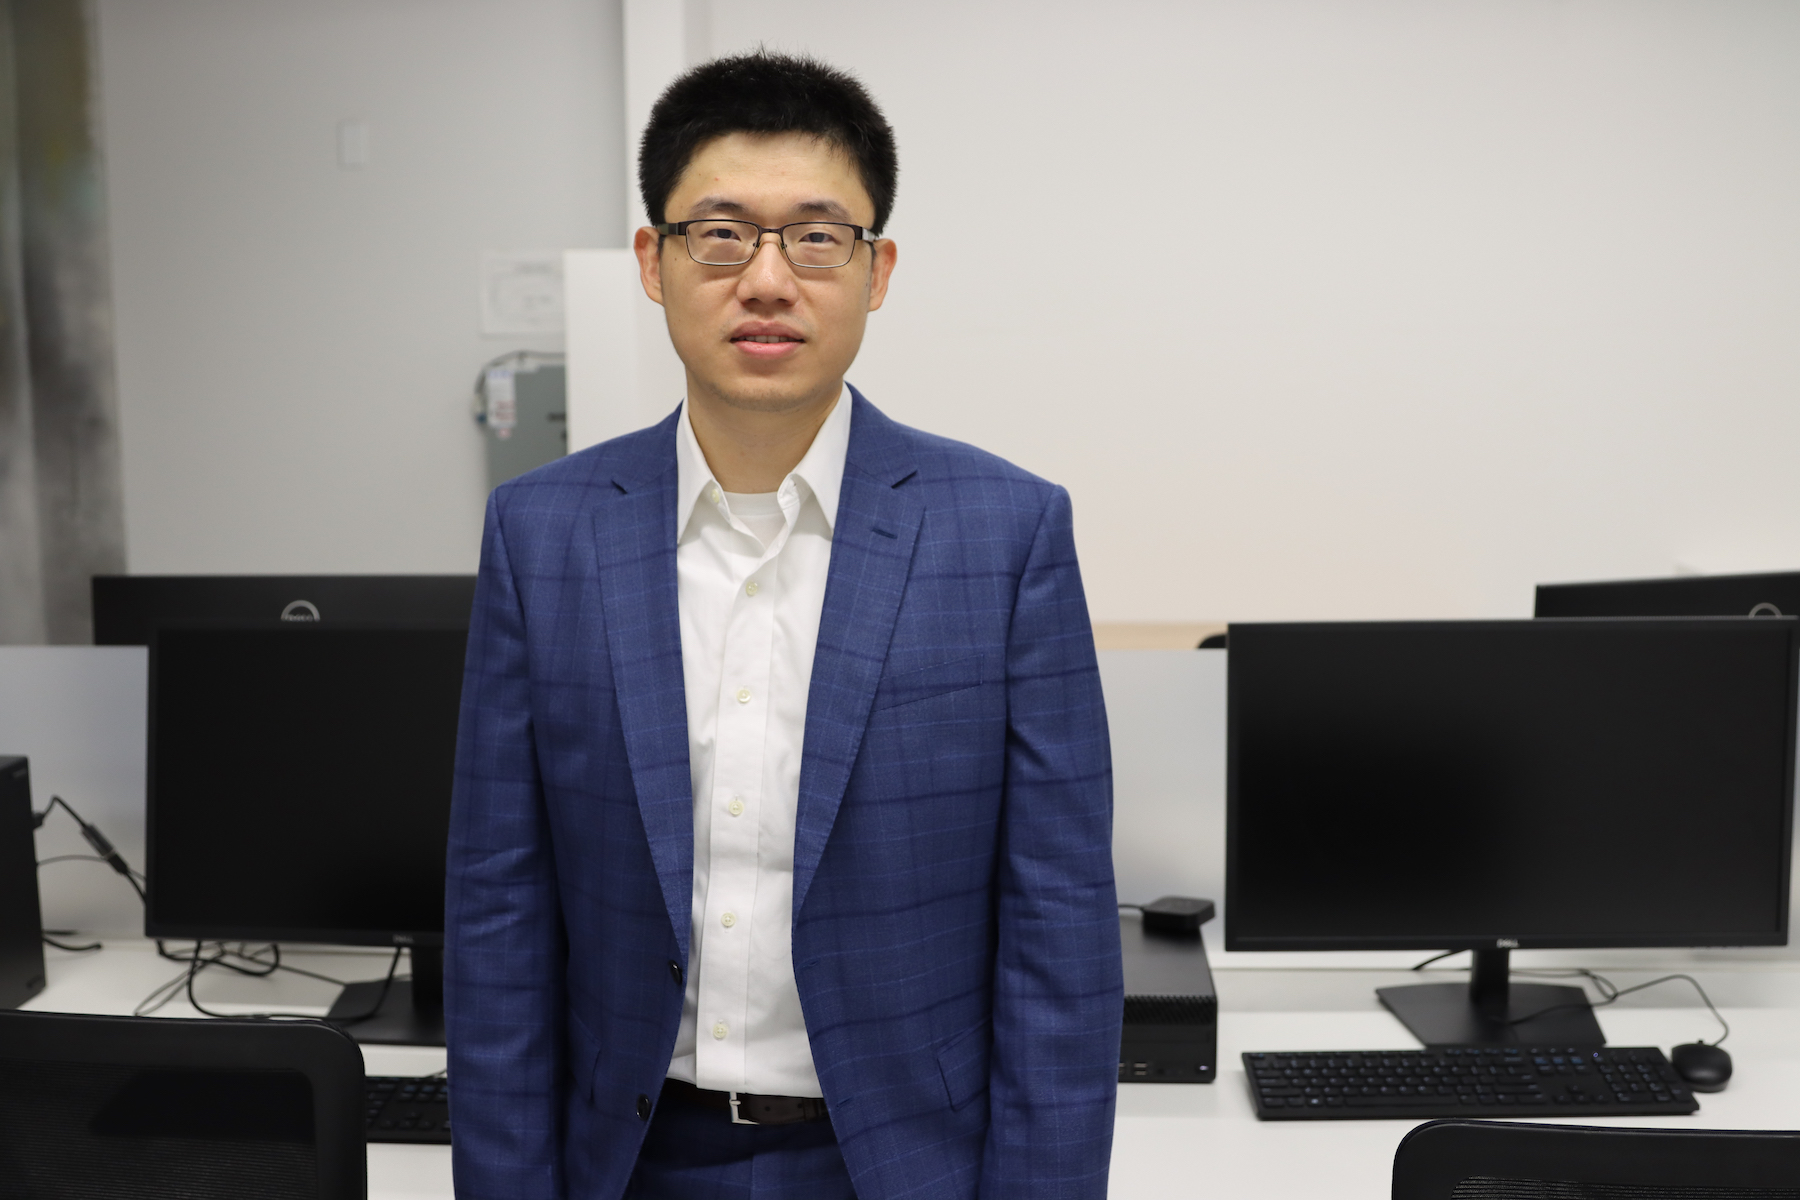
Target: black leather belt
745, 1108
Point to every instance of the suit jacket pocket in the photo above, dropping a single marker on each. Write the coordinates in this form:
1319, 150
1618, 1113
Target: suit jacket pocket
583, 1051
963, 1062
910, 687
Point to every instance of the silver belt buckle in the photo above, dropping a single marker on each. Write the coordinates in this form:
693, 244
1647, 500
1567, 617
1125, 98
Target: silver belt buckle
735, 1119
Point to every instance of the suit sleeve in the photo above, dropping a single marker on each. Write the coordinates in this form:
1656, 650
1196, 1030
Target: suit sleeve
1058, 991
504, 942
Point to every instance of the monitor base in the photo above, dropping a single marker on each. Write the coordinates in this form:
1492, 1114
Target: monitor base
1445, 1014
395, 1023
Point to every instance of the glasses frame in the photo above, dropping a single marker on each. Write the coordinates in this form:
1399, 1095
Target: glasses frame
680, 228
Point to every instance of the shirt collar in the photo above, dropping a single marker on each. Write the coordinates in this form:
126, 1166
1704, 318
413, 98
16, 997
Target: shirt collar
821, 469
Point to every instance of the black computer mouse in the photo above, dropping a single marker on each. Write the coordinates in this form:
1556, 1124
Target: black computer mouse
1706, 1068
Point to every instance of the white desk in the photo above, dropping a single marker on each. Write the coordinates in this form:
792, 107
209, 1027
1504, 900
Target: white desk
1173, 1140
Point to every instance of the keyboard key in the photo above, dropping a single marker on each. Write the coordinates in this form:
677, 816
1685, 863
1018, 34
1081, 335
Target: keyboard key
407, 1110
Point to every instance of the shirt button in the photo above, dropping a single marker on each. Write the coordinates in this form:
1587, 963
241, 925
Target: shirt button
713, 495
751, 588
736, 807
743, 695
719, 1030
728, 920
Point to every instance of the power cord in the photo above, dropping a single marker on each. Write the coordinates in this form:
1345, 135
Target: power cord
103, 849
197, 963
1610, 992
220, 954
1434, 958
263, 962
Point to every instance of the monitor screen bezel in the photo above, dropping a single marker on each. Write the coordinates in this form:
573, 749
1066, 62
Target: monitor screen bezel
1519, 939
127, 609
1666, 596
155, 927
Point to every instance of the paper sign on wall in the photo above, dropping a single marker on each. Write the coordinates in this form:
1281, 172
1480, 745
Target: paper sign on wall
521, 292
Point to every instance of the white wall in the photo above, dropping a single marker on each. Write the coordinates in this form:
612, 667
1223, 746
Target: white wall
297, 340
1407, 306
1383, 309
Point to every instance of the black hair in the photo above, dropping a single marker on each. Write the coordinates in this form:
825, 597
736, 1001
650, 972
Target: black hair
762, 92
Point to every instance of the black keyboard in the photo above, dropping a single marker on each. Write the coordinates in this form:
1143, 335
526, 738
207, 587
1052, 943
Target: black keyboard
1460, 1081
404, 1109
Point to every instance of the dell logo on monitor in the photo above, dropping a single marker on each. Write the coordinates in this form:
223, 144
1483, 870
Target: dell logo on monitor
1506, 943
300, 610
1765, 609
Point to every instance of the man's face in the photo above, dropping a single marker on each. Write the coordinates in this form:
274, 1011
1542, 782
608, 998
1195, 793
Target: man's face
721, 318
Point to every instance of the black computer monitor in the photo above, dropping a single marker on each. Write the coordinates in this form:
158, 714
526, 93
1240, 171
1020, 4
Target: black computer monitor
1496, 785
299, 790
129, 608
1775, 594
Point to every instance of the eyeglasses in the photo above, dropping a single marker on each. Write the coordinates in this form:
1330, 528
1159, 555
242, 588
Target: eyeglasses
815, 244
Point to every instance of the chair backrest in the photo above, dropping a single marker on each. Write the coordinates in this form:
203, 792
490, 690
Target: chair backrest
1506, 1160
147, 1108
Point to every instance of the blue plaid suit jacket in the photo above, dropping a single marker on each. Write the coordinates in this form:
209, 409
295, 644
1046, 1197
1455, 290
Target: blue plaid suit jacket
955, 931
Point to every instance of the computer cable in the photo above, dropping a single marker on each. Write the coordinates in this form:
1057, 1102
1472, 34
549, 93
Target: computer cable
219, 955
250, 963
1609, 991
51, 936
380, 997
211, 954
197, 962
1434, 958
169, 989
223, 955
105, 852
103, 849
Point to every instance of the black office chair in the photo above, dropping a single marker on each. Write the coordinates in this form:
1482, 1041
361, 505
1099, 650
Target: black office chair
143, 1108
1507, 1160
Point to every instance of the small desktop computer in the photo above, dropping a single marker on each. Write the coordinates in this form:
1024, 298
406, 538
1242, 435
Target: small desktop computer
299, 791
21, 925
1499, 785
1171, 1028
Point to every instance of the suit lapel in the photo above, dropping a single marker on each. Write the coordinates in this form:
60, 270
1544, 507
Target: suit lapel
634, 536
871, 556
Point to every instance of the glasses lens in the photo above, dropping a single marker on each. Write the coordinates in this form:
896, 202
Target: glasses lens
819, 244
721, 243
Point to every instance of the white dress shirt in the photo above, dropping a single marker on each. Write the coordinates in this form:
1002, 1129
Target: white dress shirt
751, 572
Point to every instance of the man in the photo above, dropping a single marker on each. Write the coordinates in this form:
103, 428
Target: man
780, 857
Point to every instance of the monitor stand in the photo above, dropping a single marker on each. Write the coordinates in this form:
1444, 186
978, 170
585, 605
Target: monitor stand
411, 1015
1449, 1014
